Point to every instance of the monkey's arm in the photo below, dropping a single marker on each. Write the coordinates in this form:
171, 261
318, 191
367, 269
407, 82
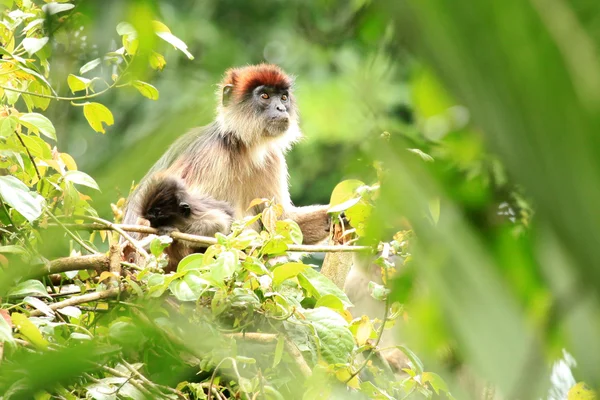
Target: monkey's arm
313, 221
209, 223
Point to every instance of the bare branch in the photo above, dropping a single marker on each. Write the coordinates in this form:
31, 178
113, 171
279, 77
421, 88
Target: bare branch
85, 298
205, 241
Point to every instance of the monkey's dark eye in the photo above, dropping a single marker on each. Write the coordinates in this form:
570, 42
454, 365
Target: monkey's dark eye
264, 96
284, 97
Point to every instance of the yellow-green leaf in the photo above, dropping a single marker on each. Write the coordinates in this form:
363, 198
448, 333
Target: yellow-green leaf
38, 123
78, 83
146, 89
157, 61
163, 32
29, 330
97, 115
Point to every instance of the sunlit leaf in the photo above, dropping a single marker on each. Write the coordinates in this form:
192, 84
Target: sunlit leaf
8, 126
97, 115
287, 271
146, 89
336, 340
38, 123
165, 34
16, 194
55, 8
318, 285
159, 244
29, 330
157, 61
30, 287
90, 65
344, 191
81, 178
78, 83
33, 45
70, 311
39, 305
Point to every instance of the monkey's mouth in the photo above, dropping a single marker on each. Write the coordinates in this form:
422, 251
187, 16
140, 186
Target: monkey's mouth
277, 126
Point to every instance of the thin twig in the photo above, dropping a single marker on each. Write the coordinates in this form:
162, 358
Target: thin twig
205, 241
29, 154
85, 298
117, 228
78, 240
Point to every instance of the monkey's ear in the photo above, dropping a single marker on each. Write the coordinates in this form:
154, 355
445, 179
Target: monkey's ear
227, 91
185, 209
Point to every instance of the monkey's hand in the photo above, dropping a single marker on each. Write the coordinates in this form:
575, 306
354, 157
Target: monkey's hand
166, 230
314, 221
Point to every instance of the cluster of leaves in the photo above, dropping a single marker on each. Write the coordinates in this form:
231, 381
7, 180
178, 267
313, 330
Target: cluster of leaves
29, 158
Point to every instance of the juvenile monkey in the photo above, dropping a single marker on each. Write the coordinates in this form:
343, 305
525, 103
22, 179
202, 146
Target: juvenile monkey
240, 155
167, 205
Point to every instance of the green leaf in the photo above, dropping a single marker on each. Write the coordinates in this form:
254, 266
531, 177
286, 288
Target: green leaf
70, 311
358, 215
30, 287
90, 65
39, 305
159, 244
224, 266
377, 291
33, 45
275, 246
5, 330
287, 271
416, 362
191, 262
436, 382
290, 230
330, 301
344, 191
163, 32
423, 155
81, 178
55, 8
125, 28
8, 126
344, 206
190, 287
318, 285
146, 89
38, 123
78, 83
335, 338
12, 249
279, 350
157, 61
17, 195
97, 114
29, 330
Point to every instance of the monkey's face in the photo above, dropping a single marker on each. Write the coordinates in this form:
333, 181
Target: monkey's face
273, 106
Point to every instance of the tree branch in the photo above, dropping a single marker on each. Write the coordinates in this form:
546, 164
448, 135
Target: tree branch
76, 300
205, 241
98, 262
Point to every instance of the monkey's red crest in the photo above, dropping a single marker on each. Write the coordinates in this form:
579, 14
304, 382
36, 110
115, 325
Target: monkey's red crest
245, 79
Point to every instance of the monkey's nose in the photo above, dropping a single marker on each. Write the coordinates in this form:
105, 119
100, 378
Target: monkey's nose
280, 108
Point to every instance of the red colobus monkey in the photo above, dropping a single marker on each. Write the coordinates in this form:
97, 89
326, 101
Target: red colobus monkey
239, 156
